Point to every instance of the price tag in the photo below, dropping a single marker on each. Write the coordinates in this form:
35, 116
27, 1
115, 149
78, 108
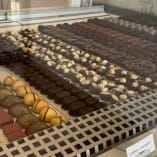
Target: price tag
142, 148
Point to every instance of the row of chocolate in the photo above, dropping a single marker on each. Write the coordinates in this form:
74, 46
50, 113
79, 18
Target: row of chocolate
93, 62
103, 84
117, 40
138, 65
129, 27
54, 90
143, 19
94, 73
71, 98
9, 42
32, 113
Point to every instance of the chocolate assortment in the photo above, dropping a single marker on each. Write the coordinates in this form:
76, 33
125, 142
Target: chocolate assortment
117, 40
140, 66
20, 111
82, 67
128, 27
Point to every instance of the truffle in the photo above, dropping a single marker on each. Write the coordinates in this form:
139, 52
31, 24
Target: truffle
18, 109
10, 100
74, 107
27, 119
36, 127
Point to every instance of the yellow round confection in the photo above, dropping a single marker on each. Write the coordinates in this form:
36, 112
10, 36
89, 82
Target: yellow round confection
57, 120
30, 99
22, 91
47, 114
17, 84
9, 80
39, 105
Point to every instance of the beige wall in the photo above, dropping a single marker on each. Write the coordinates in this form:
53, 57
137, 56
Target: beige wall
40, 3
43, 3
146, 6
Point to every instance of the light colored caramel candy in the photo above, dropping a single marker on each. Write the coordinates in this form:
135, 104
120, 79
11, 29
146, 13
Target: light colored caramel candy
148, 80
86, 55
124, 72
133, 77
130, 93
123, 80
135, 84
144, 88
114, 98
123, 97
98, 59
9, 80
17, 84
112, 71
104, 82
122, 87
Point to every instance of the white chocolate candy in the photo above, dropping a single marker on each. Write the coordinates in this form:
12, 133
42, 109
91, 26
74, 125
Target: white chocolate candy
104, 83
123, 97
148, 80
94, 65
86, 55
104, 62
95, 79
98, 59
133, 77
135, 84
121, 87
144, 88
130, 93
83, 60
122, 80
66, 71
112, 71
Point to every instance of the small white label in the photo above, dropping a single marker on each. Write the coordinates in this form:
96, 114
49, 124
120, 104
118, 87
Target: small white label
142, 148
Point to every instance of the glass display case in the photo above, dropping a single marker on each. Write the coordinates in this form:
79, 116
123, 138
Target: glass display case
78, 78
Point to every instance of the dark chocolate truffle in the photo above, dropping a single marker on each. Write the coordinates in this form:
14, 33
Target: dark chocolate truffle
53, 91
99, 105
68, 100
75, 91
75, 107
82, 95
90, 101
59, 96
85, 110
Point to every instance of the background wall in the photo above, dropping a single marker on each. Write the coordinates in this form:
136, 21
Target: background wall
146, 6
14, 4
